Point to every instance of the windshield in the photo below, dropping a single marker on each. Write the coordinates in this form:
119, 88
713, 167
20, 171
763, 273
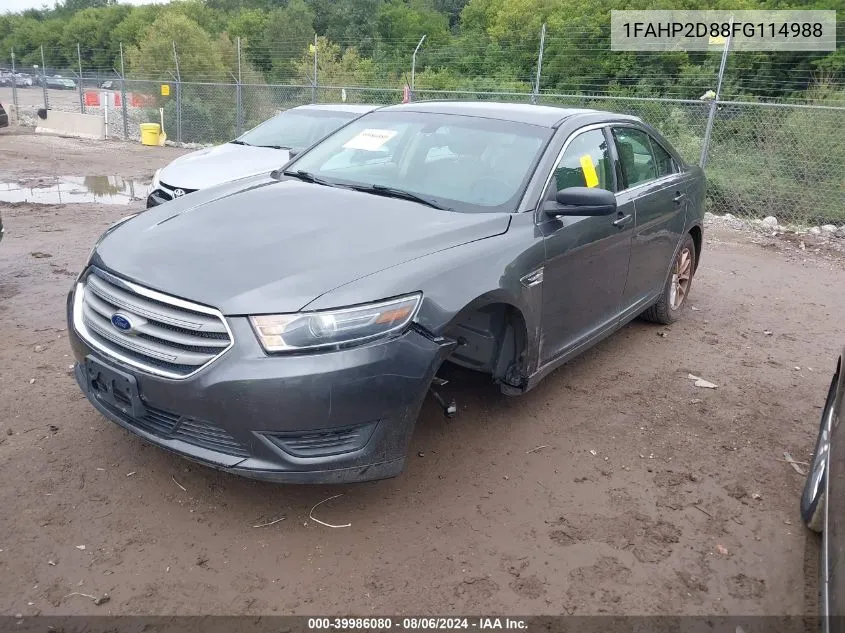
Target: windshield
296, 129
462, 163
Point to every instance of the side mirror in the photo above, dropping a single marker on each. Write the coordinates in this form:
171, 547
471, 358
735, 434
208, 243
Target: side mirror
581, 201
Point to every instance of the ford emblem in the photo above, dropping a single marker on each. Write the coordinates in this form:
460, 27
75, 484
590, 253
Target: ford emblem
178, 193
121, 322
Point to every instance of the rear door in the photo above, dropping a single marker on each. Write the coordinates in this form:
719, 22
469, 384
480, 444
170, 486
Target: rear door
586, 257
652, 178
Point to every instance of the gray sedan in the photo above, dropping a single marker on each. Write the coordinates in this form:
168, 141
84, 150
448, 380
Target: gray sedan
289, 326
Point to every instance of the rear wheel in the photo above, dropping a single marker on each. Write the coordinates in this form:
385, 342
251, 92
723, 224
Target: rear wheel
667, 308
813, 497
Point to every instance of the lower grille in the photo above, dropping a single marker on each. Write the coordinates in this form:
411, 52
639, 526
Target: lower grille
324, 443
172, 426
208, 436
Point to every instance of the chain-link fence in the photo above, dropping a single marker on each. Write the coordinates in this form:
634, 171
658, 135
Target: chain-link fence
762, 159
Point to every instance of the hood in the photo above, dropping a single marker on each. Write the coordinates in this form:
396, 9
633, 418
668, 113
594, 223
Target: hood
273, 247
221, 163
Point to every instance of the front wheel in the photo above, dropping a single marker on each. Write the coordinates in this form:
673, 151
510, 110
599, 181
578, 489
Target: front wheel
813, 495
676, 290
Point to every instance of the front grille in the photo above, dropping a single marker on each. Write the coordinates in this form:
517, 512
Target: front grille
169, 190
324, 443
164, 193
166, 336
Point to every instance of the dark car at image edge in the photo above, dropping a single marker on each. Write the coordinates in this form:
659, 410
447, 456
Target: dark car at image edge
288, 327
821, 503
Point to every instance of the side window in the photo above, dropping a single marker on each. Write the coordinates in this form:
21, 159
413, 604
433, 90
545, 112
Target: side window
665, 163
634, 149
585, 163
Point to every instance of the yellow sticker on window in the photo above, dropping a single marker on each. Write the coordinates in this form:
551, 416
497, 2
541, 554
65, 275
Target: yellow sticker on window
590, 175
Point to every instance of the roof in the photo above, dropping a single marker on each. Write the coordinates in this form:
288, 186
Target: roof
546, 116
339, 107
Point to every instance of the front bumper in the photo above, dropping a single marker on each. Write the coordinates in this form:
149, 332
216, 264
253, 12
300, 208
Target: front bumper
331, 417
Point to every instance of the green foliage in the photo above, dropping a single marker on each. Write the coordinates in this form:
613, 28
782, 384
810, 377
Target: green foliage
92, 29
287, 33
348, 22
201, 58
336, 67
468, 43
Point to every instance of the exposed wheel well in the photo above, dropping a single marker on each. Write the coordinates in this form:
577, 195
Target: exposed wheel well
491, 339
695, 232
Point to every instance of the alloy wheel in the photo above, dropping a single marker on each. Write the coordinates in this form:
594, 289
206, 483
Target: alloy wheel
681, 278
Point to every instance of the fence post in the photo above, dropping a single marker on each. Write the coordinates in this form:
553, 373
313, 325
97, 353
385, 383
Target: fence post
238, 97
178, 97
44, 80
79, 61
15, 91
123, 107
711, 117
414, 67
536, 94
314, 83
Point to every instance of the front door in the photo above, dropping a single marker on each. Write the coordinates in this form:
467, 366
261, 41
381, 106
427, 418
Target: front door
586, 257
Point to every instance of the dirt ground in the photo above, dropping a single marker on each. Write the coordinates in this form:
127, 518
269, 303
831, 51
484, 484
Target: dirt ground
649, 495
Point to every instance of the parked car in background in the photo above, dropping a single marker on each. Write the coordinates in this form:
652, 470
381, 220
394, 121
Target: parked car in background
821, 502
288, 326
56, 82
259, 151
62, 83
109, 84
22, 80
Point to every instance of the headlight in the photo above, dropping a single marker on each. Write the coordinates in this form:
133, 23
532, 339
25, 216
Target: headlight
156, 181
334, 328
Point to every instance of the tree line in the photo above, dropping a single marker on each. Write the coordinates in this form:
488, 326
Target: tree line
477, 45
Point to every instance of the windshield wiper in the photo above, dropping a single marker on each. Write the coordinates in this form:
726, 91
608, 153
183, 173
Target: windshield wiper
239, 142
307, 176
272, 146
392, 192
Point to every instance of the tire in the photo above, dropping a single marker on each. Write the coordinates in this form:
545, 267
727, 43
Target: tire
667, 308
813, 497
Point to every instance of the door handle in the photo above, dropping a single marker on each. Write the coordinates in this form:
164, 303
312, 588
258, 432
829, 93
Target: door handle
622, 221
679, 196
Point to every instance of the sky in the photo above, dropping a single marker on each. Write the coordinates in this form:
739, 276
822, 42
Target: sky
13, 6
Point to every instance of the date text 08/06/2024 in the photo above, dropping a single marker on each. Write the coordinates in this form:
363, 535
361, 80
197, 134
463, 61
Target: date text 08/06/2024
416, 624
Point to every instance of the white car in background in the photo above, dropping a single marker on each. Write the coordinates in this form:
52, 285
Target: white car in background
261, 150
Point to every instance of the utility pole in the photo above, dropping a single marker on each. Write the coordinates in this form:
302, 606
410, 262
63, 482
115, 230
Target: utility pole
705, 145
123, 106
314, 82
178, 97
44, 80
539, 64
238, 96
414, 65
15, 89
79, 61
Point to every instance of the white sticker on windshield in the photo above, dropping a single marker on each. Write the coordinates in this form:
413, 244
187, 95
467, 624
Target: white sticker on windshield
370, 140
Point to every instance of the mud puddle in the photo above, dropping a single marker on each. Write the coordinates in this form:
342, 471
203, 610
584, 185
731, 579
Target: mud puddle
74, 189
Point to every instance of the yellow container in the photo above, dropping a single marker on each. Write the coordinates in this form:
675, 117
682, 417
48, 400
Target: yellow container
150, 133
